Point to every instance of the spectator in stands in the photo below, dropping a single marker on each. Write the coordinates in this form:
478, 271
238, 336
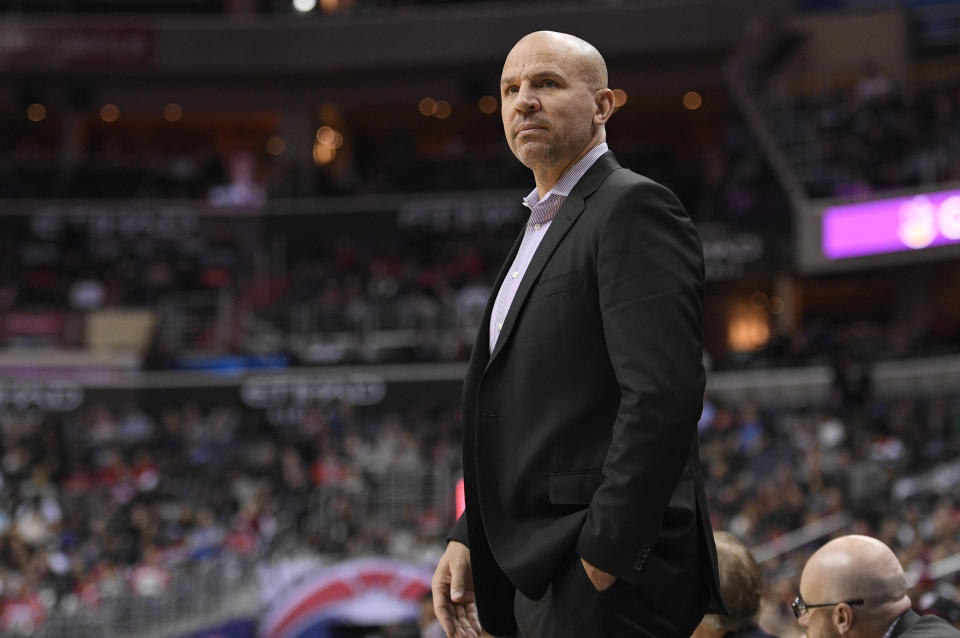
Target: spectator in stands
854, 586
741, 587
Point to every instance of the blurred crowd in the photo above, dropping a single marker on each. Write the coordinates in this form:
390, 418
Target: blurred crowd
80, 269
771, 471
109, 500
877, 134
843, 343
340, 293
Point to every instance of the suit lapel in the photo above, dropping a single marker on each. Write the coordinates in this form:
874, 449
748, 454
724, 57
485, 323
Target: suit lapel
564, 220
906, 621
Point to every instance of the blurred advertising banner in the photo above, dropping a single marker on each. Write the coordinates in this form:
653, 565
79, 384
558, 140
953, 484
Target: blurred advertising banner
36, 399
300, 595
33, 328
28, 47
730, 253
892, 225
49, 396
285, 398
912, 226
233, 629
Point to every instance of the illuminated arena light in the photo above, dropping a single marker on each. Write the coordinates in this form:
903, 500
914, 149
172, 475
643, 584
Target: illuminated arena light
692, 100
110, 113
36, 112
276, 145
487, 104
304, 6
427, 106
172, 112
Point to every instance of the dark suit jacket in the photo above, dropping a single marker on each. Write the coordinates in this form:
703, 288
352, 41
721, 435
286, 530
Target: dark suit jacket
579, 429
912, 625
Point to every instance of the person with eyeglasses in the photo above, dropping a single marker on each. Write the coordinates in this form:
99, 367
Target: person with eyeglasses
854, 587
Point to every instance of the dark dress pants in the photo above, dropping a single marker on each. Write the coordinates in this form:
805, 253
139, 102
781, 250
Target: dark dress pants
573, 608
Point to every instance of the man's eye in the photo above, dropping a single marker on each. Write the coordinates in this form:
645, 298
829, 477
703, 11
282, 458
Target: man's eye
548, 84
510, 90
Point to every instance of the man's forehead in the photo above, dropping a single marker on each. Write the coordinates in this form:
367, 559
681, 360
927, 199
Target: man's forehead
813, 580
564, 55
541, 63
807, 578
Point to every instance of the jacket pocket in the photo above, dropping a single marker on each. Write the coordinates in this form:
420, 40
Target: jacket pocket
574, 488
557, 284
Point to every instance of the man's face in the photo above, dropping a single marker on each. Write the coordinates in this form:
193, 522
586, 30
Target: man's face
817, 622
548, 103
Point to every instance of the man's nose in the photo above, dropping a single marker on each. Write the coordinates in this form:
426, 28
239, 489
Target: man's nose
527, 99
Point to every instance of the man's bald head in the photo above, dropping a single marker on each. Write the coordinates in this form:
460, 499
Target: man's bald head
857, 567
585, 56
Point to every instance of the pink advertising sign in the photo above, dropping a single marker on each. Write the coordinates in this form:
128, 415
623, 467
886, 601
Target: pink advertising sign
891, 225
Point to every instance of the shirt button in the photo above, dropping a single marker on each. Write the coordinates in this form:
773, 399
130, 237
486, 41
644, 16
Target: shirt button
536, 226
499, 325
515, 274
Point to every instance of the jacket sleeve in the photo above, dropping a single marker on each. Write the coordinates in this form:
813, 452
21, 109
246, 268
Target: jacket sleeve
459, 531
650, 280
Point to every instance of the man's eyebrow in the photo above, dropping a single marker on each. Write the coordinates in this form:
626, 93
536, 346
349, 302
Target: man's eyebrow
538, 75
548, 73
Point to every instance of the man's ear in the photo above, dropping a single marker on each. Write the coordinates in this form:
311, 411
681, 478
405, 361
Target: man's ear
843, 618
605, 106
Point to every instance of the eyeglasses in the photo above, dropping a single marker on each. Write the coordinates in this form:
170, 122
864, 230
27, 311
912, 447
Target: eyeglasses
800, 606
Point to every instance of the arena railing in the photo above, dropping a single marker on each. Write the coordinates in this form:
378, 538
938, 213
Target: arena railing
199, 594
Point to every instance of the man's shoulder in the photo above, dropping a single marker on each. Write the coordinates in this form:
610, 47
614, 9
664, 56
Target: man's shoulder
927, 626
612, 192
624, 186
624, 180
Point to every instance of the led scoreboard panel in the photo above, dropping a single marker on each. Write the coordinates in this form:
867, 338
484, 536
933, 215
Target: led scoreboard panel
886, 231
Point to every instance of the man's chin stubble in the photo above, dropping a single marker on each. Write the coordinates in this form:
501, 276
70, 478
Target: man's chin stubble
534, 158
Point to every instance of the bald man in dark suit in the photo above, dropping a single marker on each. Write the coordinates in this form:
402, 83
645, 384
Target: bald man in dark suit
855, 587
585, 512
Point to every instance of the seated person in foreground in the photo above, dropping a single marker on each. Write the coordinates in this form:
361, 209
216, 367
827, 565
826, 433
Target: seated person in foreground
855, 587
741, 587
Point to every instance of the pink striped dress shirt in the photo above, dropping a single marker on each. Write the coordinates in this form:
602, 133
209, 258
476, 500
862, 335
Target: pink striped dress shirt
542, 212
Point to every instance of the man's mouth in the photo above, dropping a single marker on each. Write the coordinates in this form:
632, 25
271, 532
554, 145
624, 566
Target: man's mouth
530, 126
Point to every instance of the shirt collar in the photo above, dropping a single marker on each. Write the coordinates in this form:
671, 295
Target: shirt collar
569, 179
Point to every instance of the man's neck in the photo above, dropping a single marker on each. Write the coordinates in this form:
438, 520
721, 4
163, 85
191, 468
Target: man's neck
548, 176
547, 180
